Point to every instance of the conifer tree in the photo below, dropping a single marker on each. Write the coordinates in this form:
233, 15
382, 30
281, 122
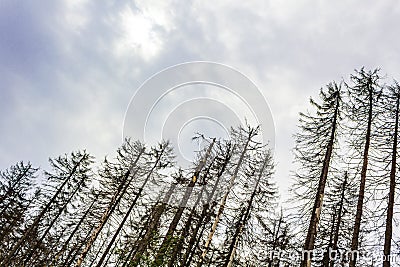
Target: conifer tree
16, 196
224, 154
79, 180
122, 174
161, 158
314, 149
184, 201
244, 137
364, 93
70, 167
393, 106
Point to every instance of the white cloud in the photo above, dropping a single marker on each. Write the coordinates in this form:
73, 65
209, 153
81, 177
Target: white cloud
93, 56
76, 14
141, 29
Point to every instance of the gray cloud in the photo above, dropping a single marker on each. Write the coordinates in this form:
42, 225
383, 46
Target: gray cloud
68, 69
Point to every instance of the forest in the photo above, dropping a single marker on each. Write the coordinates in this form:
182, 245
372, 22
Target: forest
141, 208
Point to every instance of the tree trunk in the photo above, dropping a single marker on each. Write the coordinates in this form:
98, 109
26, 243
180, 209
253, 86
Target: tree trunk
144, 243
243, 219
316, 210
205, 214
327, 254
74, 252
139, 237
196, 241
275, 240
60, 211
178, 215
116, 233
339, 220
66, 243
37, 220
389, 217
223, 201
111, 252
116, 198
360, 202
179, 245
235, 239
99, 250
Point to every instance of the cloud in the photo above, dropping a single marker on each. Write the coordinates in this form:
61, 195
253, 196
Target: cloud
69, 68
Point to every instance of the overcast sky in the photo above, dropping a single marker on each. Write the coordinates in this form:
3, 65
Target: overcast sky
68, 68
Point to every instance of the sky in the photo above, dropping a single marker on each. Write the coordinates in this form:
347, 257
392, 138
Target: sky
69, 69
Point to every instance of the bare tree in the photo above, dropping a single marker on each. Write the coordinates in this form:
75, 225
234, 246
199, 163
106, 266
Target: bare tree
188, 192
159, 153
135, 150
244, 136
77, 160
222, 159
314, 149
364, 93
263, 177
15, 199
393, 104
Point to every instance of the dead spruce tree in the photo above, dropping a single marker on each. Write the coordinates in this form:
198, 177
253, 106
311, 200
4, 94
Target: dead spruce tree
338, 213
260, 170
140, 252
79, 181
121, 175
313, 152
16, 197
364, 92
133, 238
245, 137
221, 160
182, 205
206, 178
161, 156
391, 123
81, 222
70, 168
278, 237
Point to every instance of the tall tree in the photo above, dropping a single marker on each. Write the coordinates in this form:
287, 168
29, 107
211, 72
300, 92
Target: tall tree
182, 205
79, 180
16, 184
263, 177
162, 158
393, 106
339, 212
279, 239
245, 137
129, 155
158, 211
73, 165
314, 149
178, 246
221, 161
78, 227
364, 93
